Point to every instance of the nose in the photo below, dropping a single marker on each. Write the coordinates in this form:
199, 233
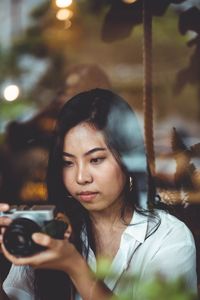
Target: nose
84, 175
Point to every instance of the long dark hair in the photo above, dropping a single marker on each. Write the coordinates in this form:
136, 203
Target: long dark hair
110, 114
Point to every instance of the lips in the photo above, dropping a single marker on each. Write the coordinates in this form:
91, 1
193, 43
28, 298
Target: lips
87, 196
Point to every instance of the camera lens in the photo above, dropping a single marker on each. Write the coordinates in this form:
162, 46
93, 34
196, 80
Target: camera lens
17, 237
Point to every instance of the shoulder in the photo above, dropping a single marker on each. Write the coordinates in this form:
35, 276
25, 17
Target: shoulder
168, 249
170, 221
171, 228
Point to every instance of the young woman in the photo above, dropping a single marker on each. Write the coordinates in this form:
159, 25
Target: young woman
98, 176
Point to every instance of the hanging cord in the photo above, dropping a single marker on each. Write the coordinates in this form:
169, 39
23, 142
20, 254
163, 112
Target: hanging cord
147, 85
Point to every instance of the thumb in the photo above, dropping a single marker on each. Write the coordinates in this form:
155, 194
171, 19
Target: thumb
41, 239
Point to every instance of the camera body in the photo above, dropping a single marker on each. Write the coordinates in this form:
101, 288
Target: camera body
37, 213
26, 221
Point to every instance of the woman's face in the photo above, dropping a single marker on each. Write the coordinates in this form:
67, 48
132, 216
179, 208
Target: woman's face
91, 173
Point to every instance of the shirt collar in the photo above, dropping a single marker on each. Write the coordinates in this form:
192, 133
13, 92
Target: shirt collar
137, 227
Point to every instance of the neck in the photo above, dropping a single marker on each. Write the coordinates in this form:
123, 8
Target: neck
111, 217
108, 227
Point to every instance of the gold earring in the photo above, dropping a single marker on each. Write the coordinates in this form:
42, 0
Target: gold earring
130, 184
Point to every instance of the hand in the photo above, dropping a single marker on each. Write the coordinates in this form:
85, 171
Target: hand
60, 254
4, 221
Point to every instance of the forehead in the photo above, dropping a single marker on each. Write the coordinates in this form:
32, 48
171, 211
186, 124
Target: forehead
84, 135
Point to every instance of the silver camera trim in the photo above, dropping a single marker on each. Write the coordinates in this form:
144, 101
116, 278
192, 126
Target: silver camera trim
36, 213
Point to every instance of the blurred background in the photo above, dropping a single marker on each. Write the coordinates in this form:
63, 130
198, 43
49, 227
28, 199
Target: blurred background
51, 50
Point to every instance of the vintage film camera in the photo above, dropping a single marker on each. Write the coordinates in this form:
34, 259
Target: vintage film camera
27, 220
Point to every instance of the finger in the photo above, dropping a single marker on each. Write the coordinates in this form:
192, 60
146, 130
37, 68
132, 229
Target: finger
5, 221
4, 207
3, 229
9, 256
69, 229
65, 219
34, 260
44, 240
67, 235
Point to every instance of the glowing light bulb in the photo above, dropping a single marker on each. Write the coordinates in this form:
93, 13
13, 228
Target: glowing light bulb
11, 92
63, 3
64, 14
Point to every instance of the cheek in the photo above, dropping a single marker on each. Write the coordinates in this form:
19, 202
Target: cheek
68, 179
120, 181
114, 178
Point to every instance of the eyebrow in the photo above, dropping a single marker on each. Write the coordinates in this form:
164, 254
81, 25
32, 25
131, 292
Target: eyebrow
85, 154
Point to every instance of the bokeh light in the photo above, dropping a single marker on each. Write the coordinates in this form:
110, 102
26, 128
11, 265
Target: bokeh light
64, 14
63, 3
68, 24
11, 92
129, 1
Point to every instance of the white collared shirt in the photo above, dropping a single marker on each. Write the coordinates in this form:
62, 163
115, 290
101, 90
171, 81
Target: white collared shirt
169, 251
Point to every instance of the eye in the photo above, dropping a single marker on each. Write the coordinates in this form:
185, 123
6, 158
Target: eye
97, 160
67, 163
